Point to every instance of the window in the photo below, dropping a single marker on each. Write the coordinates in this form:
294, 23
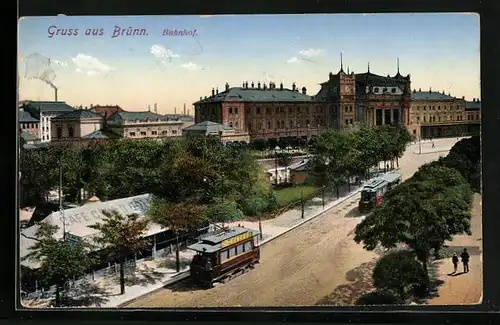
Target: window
164, 132
384, 90
393, 90
418, 119
375, 90
291, 124
59, 132
414, 132
346, 108
232, 252
235, 124
154, 133
350, 121
307, 109
239, 249
248, 246
132, 134
439, 107
143, 133
71, 131
224, 255
258, 110
231, 124
268, 110
307, 122
268, 124
290, 110
174, 131
236, 110
230, 110
282, 124
249, 126
346, 122
425, 108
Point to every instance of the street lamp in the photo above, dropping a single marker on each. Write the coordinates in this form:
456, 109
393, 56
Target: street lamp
260, 225
276, 164
323, 187
177, 257
61, 208
419, 146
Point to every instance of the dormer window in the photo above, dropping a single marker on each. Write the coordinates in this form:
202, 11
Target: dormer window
384, 90
375, 90
393, 90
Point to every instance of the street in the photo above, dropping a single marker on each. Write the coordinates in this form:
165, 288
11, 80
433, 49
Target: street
300, 267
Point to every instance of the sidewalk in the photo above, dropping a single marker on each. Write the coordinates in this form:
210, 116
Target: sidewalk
153, 274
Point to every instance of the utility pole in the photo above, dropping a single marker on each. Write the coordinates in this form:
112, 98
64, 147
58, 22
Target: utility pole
302, 203
177, 257
61, 199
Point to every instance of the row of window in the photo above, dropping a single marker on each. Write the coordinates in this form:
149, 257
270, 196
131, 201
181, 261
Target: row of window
376, 90
29, 125
433, 107
235, 251
281, 124
450, 118
71, 132
153, 133
348, 109
349, 121
282, 110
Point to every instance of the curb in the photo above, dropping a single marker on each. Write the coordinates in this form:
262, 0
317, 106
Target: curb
426, 153
310, 218
178, 277
334, 204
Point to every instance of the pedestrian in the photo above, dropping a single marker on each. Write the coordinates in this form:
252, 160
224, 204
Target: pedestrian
454, 259
465, 260
433, 146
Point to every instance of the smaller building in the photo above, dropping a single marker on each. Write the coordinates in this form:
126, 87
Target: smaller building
144, 125
44, 111
29, 123
76, 124
225, 133
299, 171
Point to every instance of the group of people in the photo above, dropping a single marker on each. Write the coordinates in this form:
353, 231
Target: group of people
465, 261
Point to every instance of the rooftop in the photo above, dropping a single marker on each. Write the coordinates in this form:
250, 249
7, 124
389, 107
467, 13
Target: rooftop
208, 127
26, 117
107, 110
254, 94
213, 243
78, 115
28, 136
430, 95
140, 116
474, 105
42, 106
100, 135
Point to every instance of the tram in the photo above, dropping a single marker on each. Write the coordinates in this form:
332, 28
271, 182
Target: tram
372, 194
222, 256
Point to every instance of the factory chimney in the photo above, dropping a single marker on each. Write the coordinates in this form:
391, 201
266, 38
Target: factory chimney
156, 108
55, 90
184, 109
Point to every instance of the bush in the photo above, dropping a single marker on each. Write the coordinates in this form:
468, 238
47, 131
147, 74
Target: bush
400, 273
253, 206
377, 298
224, 212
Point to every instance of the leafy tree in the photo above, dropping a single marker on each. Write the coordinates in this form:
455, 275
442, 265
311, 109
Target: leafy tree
179, 217
400, 273
377, 298
123, 236
255, 205
423, 212
224, 211
61, 261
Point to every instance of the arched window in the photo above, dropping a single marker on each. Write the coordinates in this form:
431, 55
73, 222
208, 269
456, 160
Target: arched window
71, 131
291, 124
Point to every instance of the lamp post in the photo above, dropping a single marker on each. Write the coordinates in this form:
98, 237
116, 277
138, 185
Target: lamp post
260, 225
302, 203
177, 257
276, 164
63, 218
419, 146
323, 187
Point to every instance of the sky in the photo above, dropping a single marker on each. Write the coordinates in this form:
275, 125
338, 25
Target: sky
439, 51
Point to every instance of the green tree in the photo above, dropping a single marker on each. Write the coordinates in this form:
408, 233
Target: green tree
61, 261
400, 273
422, 212
122, 236
224, 211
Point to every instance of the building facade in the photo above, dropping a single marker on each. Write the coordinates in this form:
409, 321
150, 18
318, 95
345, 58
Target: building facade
143, 125
29, 123
44, 112
369, 99
264, 111
75, 125
436, 114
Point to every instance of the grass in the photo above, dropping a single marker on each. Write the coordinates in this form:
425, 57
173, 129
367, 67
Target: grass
290, 195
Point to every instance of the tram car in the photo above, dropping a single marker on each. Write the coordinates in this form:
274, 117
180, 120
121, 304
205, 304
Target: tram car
372, 194
220, 257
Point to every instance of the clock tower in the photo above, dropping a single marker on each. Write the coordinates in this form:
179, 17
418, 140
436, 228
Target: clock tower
347, 99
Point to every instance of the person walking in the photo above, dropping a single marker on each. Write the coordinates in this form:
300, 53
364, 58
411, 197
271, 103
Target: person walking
454, 259
465, 260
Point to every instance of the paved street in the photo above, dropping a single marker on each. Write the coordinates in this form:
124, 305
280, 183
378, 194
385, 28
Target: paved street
298, 268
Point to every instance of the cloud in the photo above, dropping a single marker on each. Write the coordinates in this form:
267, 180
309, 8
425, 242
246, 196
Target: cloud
191, 66
311, 53
292, 60
61, 63
89, 65
162, 53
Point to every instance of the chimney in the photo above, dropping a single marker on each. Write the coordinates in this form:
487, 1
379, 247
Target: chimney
281, 86
156, 108
175, 108
430, 89
85, 107
258, 85
414, 91
293, 86
419, 89
252, 84
246, 84
184, 109
242, 85
264, 86
463, 97
217, 90
149, 108
304, 90
188, 113
91, 105
213, 91
55, 90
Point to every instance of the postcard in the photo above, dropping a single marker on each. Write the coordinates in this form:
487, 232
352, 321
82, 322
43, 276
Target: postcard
249, 161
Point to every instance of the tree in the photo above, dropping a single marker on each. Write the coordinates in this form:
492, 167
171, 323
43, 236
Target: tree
423, 212
61, 261
400, 273
284, 159
123, 236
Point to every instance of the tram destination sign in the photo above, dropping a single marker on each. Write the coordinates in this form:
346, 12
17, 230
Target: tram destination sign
236, 239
